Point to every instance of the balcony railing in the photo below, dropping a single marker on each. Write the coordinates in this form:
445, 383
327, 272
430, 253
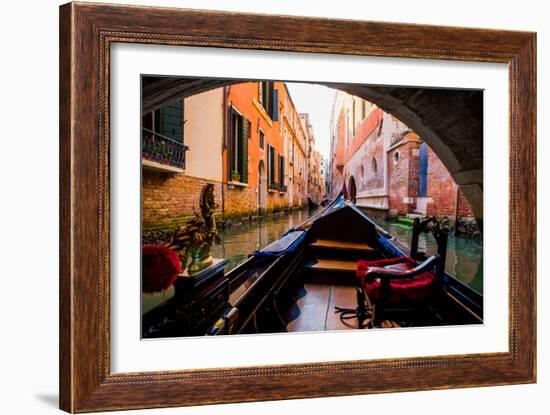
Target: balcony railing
282, 188
161, 149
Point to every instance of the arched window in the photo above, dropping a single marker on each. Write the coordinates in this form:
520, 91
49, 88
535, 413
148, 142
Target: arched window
396, 156
374, 167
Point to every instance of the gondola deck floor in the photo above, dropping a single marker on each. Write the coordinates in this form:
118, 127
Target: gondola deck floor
315, 310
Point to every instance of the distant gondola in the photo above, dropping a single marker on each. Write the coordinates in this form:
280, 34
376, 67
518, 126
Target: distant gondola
338, 270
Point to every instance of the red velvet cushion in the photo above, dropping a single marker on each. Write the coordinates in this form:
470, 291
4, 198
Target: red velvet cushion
401, 289
160, 268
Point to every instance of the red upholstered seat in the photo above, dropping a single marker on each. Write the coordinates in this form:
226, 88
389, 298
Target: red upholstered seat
401, 289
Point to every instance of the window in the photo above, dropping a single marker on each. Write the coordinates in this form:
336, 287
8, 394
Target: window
167, 121
162, 135
396, 157
374, 166
238, 147
271, 165
268, 96
262, 139
281, 171
363, 109
380, 128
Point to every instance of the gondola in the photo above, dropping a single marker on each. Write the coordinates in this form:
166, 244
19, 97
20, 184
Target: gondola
338, 270
311, 205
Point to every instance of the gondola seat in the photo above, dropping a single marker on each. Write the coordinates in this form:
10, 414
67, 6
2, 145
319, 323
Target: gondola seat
399, 290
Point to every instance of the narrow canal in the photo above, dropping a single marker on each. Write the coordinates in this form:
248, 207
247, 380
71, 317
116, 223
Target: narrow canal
464, 257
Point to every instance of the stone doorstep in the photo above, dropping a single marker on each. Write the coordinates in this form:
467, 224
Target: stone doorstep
381, 205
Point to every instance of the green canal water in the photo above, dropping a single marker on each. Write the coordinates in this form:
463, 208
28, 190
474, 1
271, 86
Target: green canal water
464, 257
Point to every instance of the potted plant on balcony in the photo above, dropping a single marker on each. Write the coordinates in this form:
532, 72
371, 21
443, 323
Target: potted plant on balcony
235, 176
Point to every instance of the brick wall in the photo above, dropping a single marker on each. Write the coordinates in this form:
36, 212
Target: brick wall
403, 177
240, 202
365, 129
366, 164
168, 199
443, 191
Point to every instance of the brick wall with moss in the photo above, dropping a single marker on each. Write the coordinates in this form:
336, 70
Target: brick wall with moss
168, 199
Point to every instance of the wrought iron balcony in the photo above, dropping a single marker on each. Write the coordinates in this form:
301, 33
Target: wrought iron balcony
161, 149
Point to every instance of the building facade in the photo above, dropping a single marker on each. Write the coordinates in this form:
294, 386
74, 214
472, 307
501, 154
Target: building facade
247, 139
181, 152
324, 178
314, 189
386, 168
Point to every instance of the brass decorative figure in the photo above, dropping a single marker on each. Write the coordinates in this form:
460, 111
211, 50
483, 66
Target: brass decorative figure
195, 238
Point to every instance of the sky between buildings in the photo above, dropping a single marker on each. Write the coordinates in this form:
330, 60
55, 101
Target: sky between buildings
317, 101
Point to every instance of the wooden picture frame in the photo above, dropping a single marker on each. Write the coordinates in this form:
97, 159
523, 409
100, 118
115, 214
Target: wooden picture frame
86, 33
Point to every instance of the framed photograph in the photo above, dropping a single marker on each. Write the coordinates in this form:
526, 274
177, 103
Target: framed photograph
253, 208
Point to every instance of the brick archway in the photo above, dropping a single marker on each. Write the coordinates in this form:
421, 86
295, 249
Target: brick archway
450, 121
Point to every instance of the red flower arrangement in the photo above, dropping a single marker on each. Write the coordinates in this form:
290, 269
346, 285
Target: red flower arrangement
160, 268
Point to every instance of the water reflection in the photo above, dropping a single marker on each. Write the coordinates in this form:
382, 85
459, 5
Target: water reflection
464, 256
241, 240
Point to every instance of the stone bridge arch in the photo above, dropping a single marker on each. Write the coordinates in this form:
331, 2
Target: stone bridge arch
450, 121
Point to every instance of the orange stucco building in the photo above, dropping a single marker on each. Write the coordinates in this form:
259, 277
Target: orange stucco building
265, 150
246, 139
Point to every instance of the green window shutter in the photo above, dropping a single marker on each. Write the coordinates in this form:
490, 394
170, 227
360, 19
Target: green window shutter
269, 99
269, 164
281, 170
172, 120
231, 142
275, 106
272, 166
244, 149
265, 95
239, 139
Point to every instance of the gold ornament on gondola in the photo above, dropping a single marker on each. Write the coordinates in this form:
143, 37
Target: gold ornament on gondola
195, 238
